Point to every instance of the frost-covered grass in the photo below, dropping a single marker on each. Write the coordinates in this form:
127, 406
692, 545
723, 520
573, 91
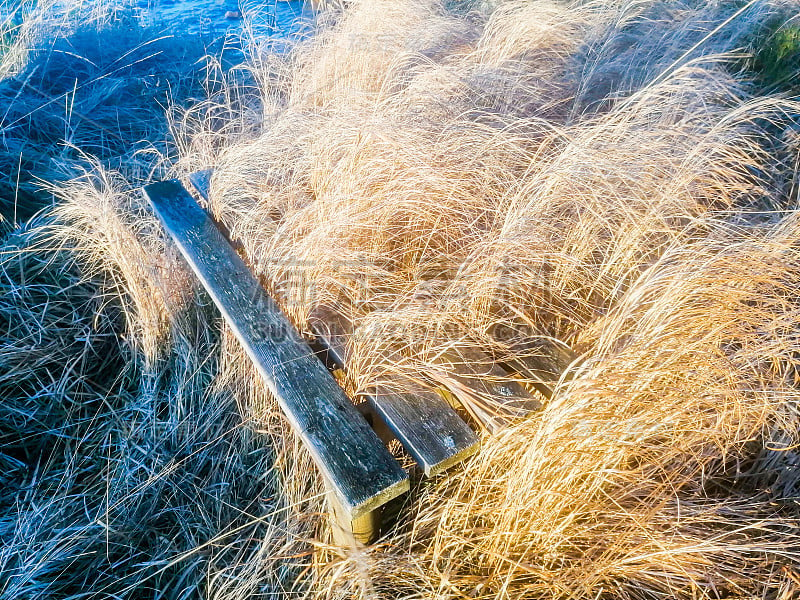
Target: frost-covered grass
85, 80
619, 178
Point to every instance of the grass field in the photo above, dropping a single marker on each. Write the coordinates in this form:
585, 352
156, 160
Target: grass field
616, 179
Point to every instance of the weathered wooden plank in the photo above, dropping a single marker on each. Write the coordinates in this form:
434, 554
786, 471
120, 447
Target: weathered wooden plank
201, 181
484, 388
361, 471
539, 360
427, 427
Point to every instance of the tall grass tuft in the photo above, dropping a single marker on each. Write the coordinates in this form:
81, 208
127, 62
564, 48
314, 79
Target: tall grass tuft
614, 180
603, 176
84, 79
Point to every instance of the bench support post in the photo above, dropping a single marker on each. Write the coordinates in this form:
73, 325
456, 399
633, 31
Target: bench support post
348, 530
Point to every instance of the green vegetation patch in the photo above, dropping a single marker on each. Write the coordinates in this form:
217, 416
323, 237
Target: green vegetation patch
775, 60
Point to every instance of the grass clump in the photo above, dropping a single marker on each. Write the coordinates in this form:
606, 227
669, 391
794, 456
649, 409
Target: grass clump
85, 80
602, 178
128, 470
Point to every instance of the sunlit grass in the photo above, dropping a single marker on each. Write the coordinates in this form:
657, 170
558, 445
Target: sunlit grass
608, 179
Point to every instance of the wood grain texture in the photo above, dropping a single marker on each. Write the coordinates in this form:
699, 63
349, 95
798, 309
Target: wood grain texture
493, 397
361, 471
427, 427
201, 180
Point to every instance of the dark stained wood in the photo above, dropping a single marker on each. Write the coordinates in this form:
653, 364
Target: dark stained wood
427, 427
361, 471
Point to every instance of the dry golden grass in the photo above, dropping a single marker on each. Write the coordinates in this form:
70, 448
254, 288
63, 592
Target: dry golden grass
596, 177
438, 181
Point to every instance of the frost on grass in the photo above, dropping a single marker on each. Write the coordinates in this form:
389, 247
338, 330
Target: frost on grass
610, 177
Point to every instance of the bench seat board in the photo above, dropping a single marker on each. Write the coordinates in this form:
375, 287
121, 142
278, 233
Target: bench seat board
361, 471
468, 372
429, 429
424, 423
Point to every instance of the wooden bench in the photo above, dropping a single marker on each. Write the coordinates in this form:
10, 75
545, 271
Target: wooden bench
359, 471
424, 423
347, 442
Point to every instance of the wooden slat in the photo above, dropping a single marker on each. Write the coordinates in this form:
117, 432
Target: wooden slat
541, 361
478, 383
427, 427
361, 471
201, 180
